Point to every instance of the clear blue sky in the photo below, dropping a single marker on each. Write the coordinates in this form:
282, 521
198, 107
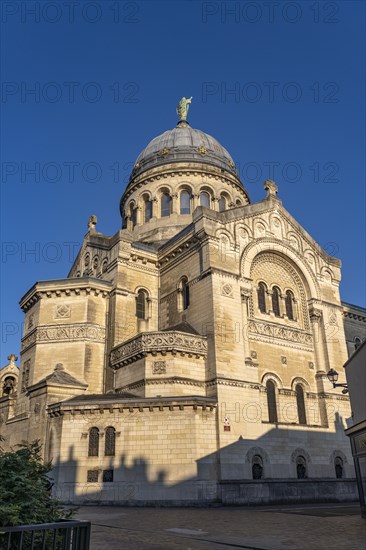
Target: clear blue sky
107, 77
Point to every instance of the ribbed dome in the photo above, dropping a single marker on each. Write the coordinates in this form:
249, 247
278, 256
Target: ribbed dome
183, 144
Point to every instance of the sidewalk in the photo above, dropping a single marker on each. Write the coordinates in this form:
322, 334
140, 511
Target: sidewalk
306, 527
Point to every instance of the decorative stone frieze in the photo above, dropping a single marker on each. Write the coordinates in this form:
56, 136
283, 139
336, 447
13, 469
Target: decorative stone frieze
158, 342
270, 332
64, 333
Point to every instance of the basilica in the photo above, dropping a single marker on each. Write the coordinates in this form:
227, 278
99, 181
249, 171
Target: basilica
184, 359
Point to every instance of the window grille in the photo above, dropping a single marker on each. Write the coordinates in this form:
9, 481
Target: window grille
185, 202
300, 401
257, 467
289, 305
271, 401
110, 441
276, 302
262, 297
107, 476
92, 476
141, 305
93, 442
165, 202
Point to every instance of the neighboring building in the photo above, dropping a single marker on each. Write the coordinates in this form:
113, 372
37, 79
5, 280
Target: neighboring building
354, 326
356, 380
184, 359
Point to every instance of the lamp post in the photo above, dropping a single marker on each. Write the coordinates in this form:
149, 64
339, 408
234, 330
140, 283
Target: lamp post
332, 376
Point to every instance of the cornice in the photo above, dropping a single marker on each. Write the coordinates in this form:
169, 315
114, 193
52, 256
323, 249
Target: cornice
172, 380
64, 288
129, 405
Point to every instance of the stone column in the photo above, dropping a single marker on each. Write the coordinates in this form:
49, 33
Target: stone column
175, 203
215, 203
321, 354
322, 360
245, 295
319, 377
195, 201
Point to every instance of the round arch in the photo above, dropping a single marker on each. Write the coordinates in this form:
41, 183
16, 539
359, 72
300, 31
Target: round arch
259, 246
253, 451
271, 376
298, 380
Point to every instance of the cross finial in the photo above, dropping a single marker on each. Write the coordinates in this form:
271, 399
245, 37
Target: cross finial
271, 188
12, 358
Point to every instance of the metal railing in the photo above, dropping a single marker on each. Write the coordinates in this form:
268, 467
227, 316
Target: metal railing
63, 535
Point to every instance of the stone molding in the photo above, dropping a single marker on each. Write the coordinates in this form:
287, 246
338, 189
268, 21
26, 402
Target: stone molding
271, 332
44, 334
355, 316
129, 405
158, 342
157, 381
233, 383
65, 288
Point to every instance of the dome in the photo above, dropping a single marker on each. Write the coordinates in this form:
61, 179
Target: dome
183, 144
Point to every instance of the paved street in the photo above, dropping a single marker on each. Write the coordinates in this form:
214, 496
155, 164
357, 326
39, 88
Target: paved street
307, 527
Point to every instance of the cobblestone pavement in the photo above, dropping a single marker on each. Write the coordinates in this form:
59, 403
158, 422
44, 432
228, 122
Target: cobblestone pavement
306, 527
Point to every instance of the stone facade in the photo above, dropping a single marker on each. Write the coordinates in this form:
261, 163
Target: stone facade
184, 359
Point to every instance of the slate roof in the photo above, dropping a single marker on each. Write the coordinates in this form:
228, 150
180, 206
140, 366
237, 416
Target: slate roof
61, 377
182, 327
183, 144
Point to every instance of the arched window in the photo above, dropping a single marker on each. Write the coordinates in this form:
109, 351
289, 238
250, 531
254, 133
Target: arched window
238, 202
185, 202
338, 466
261, 291
185, 293
301, 468
289, 305
148, 210
257, 467
300, 401
165, 205
222, 204
271, 401
276, 301
9, 385
141, 304
133, 212
93, 442
205, 199
110, 441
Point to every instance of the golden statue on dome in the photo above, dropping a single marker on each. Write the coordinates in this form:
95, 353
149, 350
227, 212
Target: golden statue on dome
183, 106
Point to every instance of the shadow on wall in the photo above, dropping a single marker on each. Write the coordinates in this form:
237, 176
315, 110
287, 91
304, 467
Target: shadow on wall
243, 472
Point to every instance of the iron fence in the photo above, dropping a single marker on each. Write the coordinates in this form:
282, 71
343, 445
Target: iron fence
63, 535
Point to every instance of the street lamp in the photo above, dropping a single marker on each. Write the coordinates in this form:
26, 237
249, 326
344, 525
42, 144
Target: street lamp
333, 377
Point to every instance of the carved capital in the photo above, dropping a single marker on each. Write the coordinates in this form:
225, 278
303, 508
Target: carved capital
315, 315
